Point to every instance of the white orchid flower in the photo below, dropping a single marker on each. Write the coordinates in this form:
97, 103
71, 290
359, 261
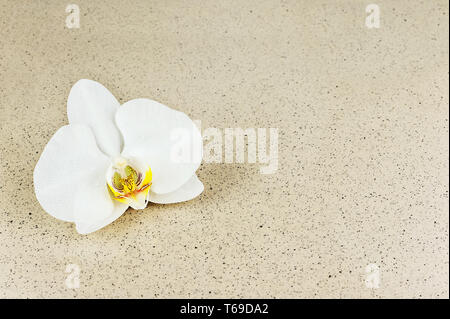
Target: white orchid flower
113, 156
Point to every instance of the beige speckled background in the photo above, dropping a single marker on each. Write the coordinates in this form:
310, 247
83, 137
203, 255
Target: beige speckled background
363, 143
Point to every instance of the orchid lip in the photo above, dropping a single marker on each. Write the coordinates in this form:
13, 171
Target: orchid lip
129, 182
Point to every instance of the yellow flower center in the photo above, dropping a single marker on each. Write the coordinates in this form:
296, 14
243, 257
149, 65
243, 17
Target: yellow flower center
128, 184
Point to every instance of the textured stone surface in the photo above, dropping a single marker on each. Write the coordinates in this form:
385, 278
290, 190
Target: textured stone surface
363, 143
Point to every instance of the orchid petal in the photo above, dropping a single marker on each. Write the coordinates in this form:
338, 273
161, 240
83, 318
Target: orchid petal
191, 189
69, 179
91, 104
156, 134
87, 227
